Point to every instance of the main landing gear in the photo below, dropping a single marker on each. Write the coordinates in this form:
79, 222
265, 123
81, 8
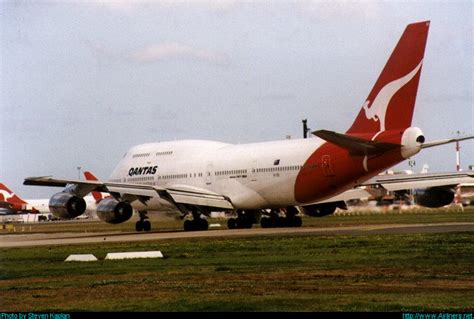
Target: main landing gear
275, 220
143, 224
197, 223
245, 219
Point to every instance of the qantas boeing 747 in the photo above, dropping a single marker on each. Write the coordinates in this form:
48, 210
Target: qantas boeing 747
313, 175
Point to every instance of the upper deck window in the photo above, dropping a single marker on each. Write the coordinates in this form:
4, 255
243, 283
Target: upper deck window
141, 155
164, 153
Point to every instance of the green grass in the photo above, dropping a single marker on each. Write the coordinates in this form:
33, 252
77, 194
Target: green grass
415, 272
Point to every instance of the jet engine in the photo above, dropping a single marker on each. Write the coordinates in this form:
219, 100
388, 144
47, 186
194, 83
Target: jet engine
434, 197
320, 210
112, 211
66, 205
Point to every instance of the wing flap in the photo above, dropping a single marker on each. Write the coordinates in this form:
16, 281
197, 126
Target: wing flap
147, 192
191, 195
215, 201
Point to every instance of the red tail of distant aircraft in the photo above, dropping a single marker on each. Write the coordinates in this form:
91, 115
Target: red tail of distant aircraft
315, 174
91, 177
10, 200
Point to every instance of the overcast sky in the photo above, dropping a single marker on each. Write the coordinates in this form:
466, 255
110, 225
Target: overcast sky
81, 82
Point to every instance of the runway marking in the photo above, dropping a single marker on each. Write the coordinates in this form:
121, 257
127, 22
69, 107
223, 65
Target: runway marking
23, 240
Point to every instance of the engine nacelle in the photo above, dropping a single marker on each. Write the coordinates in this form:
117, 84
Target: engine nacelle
320, 210
67, 206
434, 197
412, 140
112, 211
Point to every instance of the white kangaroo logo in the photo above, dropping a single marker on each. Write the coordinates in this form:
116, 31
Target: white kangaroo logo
378, 108
6, 195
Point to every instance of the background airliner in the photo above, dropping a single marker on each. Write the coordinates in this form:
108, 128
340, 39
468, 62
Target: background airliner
315, 174
14, 204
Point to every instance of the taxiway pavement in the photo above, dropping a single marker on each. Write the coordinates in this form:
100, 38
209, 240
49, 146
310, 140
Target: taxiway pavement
45, 239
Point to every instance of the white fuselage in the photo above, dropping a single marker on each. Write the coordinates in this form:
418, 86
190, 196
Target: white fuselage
253, 176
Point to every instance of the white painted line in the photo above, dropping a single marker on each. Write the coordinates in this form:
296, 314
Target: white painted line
83, 257
138, 254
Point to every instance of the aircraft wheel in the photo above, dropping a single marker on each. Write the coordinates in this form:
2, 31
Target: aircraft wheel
297, 222
243, 223
231, 223
203, 224
188, 225
239, 223
247, 224
146, 225
273, 222
266, 222
281, 222
139, 226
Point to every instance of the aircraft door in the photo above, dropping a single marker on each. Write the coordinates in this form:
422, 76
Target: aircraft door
208, 174
327, 167
252, 171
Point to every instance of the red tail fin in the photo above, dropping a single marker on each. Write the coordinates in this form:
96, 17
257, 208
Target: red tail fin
391, 102
6, 195
90, 177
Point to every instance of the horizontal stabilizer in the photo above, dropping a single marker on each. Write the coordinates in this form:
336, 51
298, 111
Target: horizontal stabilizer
446, 141
355, 145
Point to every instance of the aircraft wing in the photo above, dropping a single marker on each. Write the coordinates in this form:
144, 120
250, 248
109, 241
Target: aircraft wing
378, 184
178, 194
422, 180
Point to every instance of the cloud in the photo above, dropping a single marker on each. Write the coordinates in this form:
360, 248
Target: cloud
177, 51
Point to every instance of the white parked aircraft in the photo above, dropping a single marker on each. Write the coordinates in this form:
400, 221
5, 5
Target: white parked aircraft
315, 174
